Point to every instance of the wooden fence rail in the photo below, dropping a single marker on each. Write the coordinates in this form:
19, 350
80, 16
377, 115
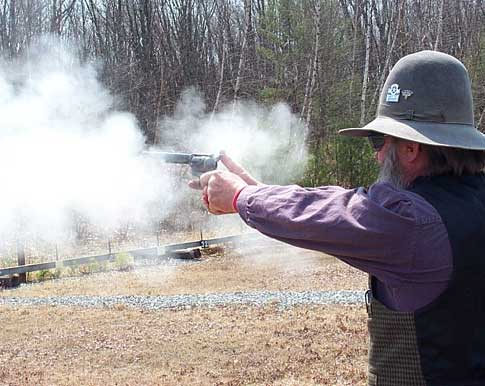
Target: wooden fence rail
143, 253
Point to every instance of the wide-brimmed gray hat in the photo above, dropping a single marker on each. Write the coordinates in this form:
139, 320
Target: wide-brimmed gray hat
427, 98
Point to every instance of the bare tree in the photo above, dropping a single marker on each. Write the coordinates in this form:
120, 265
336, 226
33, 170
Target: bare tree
440, 27
240, 68
367, 26
306, 110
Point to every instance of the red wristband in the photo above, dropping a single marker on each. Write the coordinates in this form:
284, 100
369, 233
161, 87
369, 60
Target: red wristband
236, 196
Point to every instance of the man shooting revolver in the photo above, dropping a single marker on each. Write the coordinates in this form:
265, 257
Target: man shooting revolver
419, 231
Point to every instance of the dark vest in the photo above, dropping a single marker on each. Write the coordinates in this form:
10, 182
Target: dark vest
443, 343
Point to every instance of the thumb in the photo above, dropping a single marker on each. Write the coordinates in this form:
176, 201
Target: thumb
237, 169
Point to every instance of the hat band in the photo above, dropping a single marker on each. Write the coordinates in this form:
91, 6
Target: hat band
411, 115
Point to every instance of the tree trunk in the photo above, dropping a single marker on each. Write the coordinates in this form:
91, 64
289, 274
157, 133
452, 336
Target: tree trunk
221, 78
389, 53
240, 67
367, 21
314, 70
354, 50
439, 27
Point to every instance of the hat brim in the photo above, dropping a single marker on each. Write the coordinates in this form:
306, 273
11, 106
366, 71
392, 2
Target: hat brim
429, 133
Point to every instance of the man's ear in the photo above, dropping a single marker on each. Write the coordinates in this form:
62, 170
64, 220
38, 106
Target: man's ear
409, 152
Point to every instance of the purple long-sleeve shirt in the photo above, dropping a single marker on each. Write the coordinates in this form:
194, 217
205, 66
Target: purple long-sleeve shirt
392, 234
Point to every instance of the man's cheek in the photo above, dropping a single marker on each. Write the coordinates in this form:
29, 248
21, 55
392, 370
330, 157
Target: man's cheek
380, 156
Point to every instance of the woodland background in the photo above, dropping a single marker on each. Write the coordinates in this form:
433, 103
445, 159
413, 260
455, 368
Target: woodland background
328, 59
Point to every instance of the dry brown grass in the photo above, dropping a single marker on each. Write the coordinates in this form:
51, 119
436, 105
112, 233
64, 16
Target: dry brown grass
222, 346
241, 345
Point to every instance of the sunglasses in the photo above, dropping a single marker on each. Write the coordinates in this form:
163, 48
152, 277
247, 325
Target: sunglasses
377, 141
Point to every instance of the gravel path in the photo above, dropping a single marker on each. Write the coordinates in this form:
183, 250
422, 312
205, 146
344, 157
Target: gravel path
282, 299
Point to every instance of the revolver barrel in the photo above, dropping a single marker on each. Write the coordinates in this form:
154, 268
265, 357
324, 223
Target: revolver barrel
174, 158
199, 163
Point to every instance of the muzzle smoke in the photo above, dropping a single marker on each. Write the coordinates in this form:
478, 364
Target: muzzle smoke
268, 141
65, 151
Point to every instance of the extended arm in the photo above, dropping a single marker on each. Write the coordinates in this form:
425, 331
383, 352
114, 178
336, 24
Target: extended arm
359, 226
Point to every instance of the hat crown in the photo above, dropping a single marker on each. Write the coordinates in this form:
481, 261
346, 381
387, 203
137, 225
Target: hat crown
427, 98
428, 86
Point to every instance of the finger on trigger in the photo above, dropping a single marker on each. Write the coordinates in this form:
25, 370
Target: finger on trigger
195, 184
205, 201
205, 196
204, 179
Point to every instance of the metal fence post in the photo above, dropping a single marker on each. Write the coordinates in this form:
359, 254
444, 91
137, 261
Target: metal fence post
21, 260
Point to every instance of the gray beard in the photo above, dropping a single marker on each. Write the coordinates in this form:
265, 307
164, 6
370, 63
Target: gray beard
390, 170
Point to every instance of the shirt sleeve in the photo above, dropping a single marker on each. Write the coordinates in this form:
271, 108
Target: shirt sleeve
363, 228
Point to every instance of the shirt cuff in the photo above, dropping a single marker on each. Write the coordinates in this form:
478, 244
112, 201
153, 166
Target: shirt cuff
234, 200
241, 202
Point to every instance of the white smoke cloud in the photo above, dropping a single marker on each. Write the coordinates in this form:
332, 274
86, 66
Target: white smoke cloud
268, 141
64, 149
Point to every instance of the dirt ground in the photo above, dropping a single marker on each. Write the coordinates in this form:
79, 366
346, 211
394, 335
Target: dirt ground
233, 345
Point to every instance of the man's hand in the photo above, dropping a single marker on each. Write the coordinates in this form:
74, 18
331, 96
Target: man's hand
237, 169
220, 187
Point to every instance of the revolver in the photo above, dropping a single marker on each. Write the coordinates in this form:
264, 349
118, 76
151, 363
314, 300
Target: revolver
199, 163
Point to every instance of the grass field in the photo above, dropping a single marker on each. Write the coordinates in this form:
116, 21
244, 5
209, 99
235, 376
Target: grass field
232, 345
